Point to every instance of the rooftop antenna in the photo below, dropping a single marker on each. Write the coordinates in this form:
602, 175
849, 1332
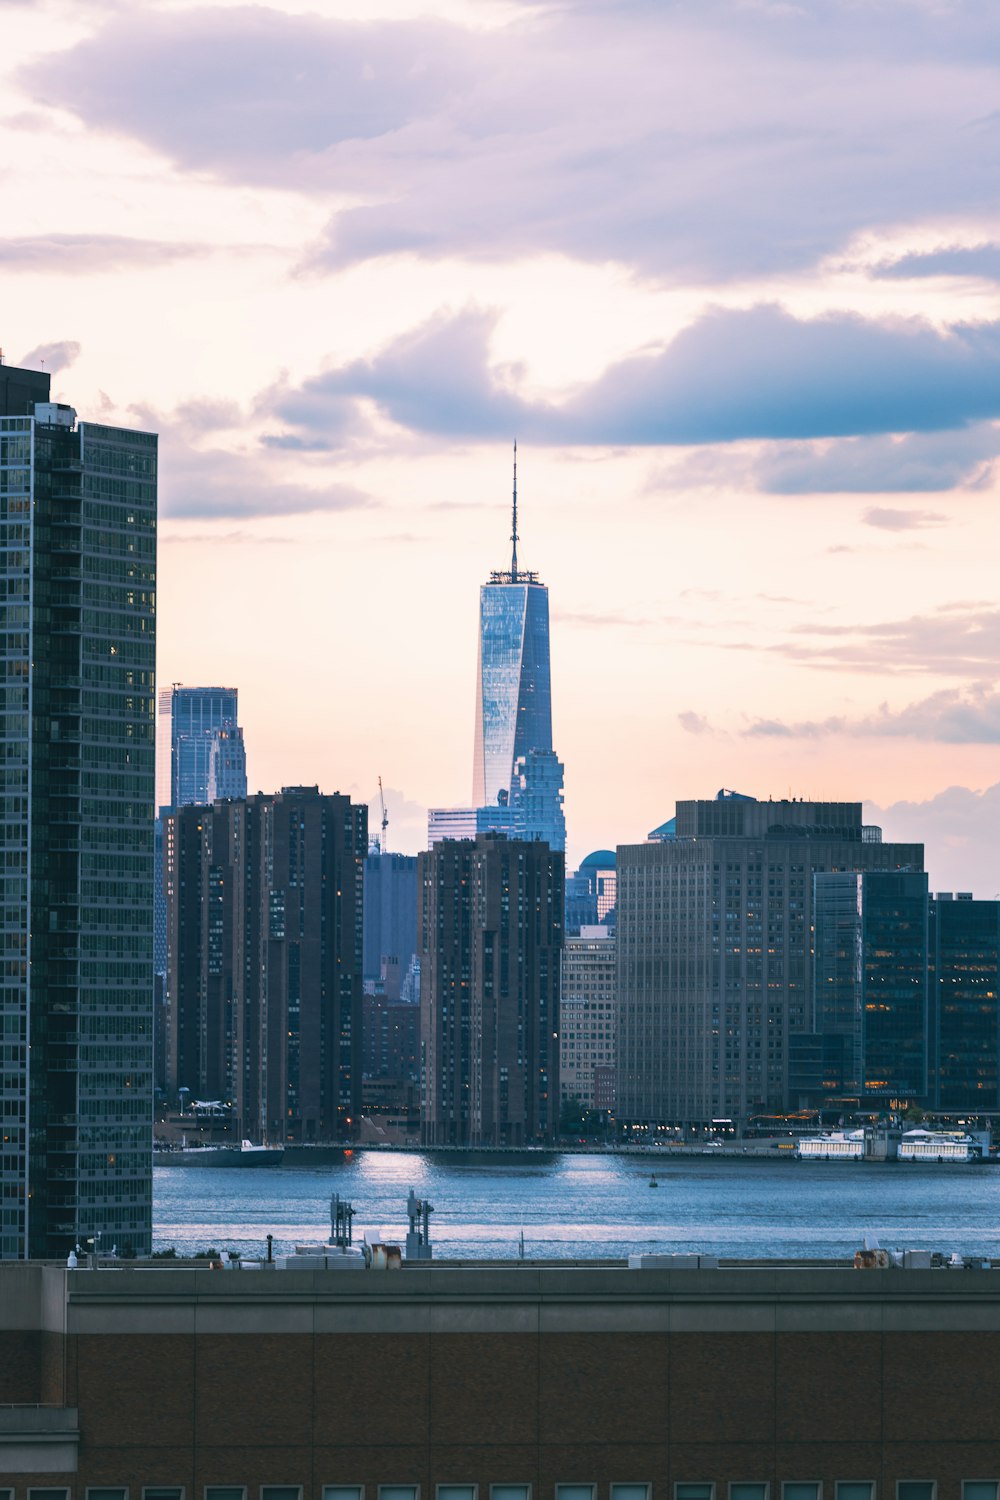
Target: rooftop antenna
513, 534
385, 819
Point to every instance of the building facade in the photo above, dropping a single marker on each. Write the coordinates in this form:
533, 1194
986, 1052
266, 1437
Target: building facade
588, 1019
532, 1382
227, 765
264, 926
390, 923
78, 573
965, 1004
491, 914
189, 718
871, 983
715, 970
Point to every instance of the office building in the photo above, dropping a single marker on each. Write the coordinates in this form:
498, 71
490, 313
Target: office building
78, 574
264, 927
515, 1382
588, 1019
536, 798
189, 719
390, 920
490, 931
591, 894
227, 765
965, 1004
870, 986
715, 967
513, 687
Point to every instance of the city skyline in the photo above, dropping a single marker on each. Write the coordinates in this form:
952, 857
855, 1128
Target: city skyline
725, 271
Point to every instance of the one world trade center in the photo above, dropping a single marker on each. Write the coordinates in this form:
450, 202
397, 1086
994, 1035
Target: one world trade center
513, 688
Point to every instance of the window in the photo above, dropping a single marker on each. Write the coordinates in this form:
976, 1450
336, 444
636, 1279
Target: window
915, 1489
630, 1492
855, 1489
979, 1489
694, 1492
116, 1492
225, 1492
574, 1492
456, 1492
398, 1492
510, 1492
343, 1492
48, 1494
281, 1492
802, 1489
757, 1490
163, 1492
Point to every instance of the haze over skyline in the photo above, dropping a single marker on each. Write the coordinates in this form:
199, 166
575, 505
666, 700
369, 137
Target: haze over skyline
730, 273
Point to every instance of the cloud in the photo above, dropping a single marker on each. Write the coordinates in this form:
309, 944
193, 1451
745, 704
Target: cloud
969, 716
693, 723
956, 640
214, 482
890, 519
51, 357
731, 375
960, 828
692, 141
77, 254
952, 260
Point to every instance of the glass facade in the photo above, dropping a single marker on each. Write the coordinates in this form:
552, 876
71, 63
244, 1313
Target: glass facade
189, 720
513, 688
965, 956
871, 978
78, 574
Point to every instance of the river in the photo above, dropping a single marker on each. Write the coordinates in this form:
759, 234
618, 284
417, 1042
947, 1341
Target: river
589, 1205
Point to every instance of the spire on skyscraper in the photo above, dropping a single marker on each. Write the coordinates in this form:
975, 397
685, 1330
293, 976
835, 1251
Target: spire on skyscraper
513, 531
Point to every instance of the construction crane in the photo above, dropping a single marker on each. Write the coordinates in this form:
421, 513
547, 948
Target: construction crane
385, 819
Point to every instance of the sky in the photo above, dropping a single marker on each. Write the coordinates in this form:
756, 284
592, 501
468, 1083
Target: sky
729, 271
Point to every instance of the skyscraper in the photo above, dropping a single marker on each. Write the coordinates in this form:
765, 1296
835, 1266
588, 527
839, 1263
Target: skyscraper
870, 980
965, 1003
513, 688
227, 765
491, 915
78, 575
715, 965
188, 722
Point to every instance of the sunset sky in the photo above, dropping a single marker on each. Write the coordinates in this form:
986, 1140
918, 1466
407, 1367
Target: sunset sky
729, 270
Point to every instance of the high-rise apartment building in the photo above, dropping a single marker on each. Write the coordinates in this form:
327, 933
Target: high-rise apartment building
264, 925
715, 969
78, 575
491, 914
965, 1003
189, 719
588, 1019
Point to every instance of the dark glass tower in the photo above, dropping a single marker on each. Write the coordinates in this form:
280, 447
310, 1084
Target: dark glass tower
190, 720
513, 687
78, 574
